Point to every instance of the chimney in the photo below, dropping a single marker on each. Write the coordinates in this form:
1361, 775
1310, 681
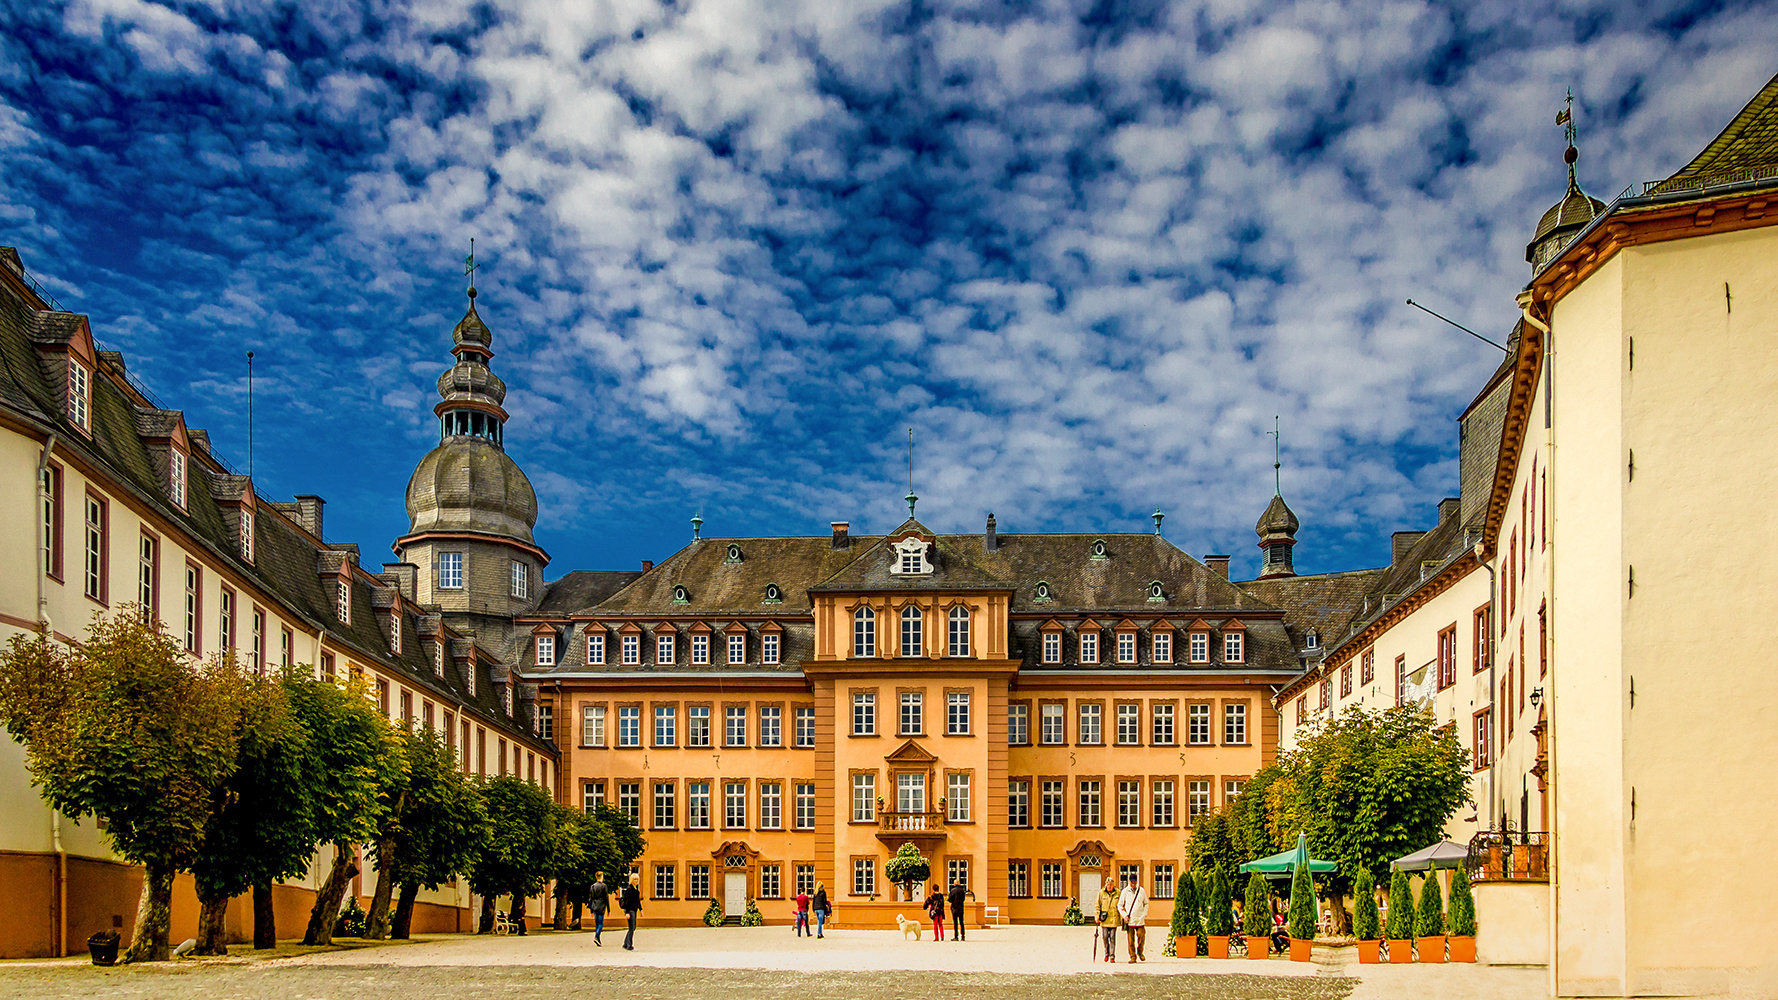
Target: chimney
989, 542
647, 564
405, 575
1400, 543
1448, 508
1218, 565
308, 512
842, 538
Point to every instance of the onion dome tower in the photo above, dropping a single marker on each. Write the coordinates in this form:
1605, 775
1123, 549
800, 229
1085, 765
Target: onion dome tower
1568, 216
1277, 535
470, 507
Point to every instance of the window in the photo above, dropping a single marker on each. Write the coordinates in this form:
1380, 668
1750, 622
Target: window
910, 792
225, 621
697, 881
256, 648
805, 727
1197, 725
1089, 732
957, 872
864, 798
629, 799
1126, 647
864, 632
864, 714
805, 879
193, 606
1051, 885
595, 650
287, 647
632, 649
1234, 647
79, 400
957, 713
663, 881
1163, 802
1129, 803
665, 799
342, 599
912, 624
629, 726
864, 876
734, 805
697, 725
95, 548
592, 726
521, 580
50, 536
1543, 638
592, 794
1052, 803
450, 571
546, 650
1346, 680
959, 635
1484, 736
1054, 725
247, 535
1447, 657
700, 649
957, 797
1234, 723
1163, 725
1088, 814
1161, 647
697, 805
1302, 710
1052, 647
148, 562
805, 806
1129, 725
1198, 647
666, 725
1089, 647
1326, 698
1018, 880
1401, 683
734, 722
1018, 725
1197, 801
913, 713
771, 726
1163, 881
771, 883
1231, 790
1018, 803
664, 652
1126, 872
737, 648
546, 723
768, 648
176, 477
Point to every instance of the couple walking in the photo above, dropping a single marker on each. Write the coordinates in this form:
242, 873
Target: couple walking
1127, 909
935, 908
821, 907
629, 899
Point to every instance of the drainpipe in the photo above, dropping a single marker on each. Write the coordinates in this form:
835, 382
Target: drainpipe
55, 816
1492, 611
1525, 302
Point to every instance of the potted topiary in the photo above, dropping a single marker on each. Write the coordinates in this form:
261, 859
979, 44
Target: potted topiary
1182, 931
1256, 917
753, 918
1302, 916
908, 869
1398, 930
1219, 923
1071, 915
1462, 939
1429, 926
1364, 917
713, 914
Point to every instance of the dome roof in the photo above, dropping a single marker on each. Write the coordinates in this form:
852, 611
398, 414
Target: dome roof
1277, 518
471, 330
1577, 208
468, 484
471, 378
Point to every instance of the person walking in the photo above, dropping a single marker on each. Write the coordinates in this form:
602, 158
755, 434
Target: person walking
599, 899
822, 909
935, 908
631, 902
958, 893
1132, 909
1108, 919
802, 914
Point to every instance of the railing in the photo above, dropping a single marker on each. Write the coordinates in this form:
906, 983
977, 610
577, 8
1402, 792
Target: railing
1699, 182
1507, 855
926, 820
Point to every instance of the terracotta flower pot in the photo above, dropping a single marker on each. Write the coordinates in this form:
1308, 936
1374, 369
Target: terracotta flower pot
1259, 946
1302, 949
1186, 947
1462, 948
1219, 946
1430, 949
1401, 951
1369, 952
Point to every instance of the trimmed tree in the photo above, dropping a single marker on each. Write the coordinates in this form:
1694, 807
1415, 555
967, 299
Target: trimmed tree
126, 728
565, 856
1462, 905
515, 856
1220, 921
1302, 905
1400, 925
597, 850
1186, 921
1430, 922
1364, 917
908, 868
1256, 912
441, 822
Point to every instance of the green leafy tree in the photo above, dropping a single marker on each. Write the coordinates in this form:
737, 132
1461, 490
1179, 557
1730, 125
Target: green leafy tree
1220, 921
1364, 918
1302, 905
1186, 922
1251, 831
1210, 846
355, 759
126, 728
1400, 925
598, 853
515, 857
625, 835
566, 858
1431, 920
434, 834
908, 868
1256, 912
1462, 905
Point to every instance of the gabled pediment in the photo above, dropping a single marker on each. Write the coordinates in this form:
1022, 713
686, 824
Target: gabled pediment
911, 752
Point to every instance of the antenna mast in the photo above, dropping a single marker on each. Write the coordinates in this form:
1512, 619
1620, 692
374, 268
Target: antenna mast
249, 414
911, 498
1277, 481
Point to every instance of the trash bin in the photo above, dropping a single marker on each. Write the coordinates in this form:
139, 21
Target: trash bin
103, 947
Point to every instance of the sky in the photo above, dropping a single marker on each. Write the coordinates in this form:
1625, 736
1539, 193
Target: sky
732, 250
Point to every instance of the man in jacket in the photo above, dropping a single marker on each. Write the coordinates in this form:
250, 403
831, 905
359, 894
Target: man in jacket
599, 900
956, 896
1108, 919
1132, 909
630, 900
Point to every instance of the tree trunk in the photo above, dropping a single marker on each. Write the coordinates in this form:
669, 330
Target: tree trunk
577, 914
517, 915
327, 902
154, 917
265, 919
211, 914
486, 924
376, 928
404, 911
1336, 901
561, 921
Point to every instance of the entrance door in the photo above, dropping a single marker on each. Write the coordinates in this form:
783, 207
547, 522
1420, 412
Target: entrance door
1089, 892
734, 895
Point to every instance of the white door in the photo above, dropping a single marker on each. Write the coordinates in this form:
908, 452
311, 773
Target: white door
734, 895
1089, 892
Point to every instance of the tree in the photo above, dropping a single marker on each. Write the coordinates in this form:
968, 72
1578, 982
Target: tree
1302, 904
1431, 919
126, 728
1400, 925
1364, 917
1256, 913
515, 856
565, 856
355, 758
1220, 921
431, 832
597, 850
1186, 922
1462, 904
1210, 846
908, 868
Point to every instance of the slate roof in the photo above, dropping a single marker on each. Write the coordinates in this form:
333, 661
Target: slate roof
583, 588
1325, 602
717, 586
1747, 147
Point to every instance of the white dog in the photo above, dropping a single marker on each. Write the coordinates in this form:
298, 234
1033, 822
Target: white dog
909, 928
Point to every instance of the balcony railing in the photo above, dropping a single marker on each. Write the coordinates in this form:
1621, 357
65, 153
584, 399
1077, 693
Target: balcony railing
1507, 855
920, 821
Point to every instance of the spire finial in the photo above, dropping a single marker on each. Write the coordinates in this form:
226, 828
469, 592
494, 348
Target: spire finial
697, 526
469, 267
1158, 517
1565, 118
911, 498
1277, 480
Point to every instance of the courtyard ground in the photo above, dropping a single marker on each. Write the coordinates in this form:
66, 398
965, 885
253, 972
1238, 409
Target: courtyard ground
762, 963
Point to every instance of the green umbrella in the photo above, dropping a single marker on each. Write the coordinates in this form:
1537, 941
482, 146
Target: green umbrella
1285, 863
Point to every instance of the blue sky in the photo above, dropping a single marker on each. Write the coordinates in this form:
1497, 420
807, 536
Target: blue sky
734, 249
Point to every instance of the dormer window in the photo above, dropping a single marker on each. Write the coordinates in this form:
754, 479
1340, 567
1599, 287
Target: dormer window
506, 697
1099, 548
342, 601
247, 535
176, 477
1198, 647
1156, 592
438, 659
680, 594
1043, 591
774, 594
734, 553
80, 386
1312, 640
546, 650
911, 557
1234, 647
395, 630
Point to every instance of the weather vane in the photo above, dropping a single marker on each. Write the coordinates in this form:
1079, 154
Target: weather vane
1277, 481
1565, 117
469, 266
911, 498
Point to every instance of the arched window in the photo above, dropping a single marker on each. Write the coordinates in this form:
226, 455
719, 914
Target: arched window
864, 632
1043, 591
774, 594
734, 553
1099, 549
959, 644
912, 633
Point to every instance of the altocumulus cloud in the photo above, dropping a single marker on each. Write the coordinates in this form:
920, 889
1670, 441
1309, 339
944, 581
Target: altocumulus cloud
734, 247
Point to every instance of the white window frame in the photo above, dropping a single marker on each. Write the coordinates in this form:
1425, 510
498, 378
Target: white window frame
911, 719
632, 648
1129, 804
546, 650
734, 725
1162, 726
864, 633
957, 638
1234, 724
176, 477
1050, 883
1053, 720
734, 805
521, 580
1126, 647
666, 725
666, 648
1090, 724
1018, 803
771, 726
864, 713
665, 805
1052, 647
1089, 647
771, 805
804, 718
1129, 725
1162, 791
864, 876
805, 805
1088, 808
864, 798
700, 649
1161, 647
450, 571
697, 725
697, 879
958, 797
957, 713
768, 648
595, 650
629, 725
913, 631
247, 535
80, 400
1197, 729
697, 805
1197, 800
1053, 804
1234, 647
1018, 725
1197, 646
737, 648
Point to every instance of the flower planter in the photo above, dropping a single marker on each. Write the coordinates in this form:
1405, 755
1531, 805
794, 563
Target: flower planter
1259, 947
1401, 951
1462, 948
103, 947
1219, 946
1186, 947
1370, 952
1302, 949
1430, 949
